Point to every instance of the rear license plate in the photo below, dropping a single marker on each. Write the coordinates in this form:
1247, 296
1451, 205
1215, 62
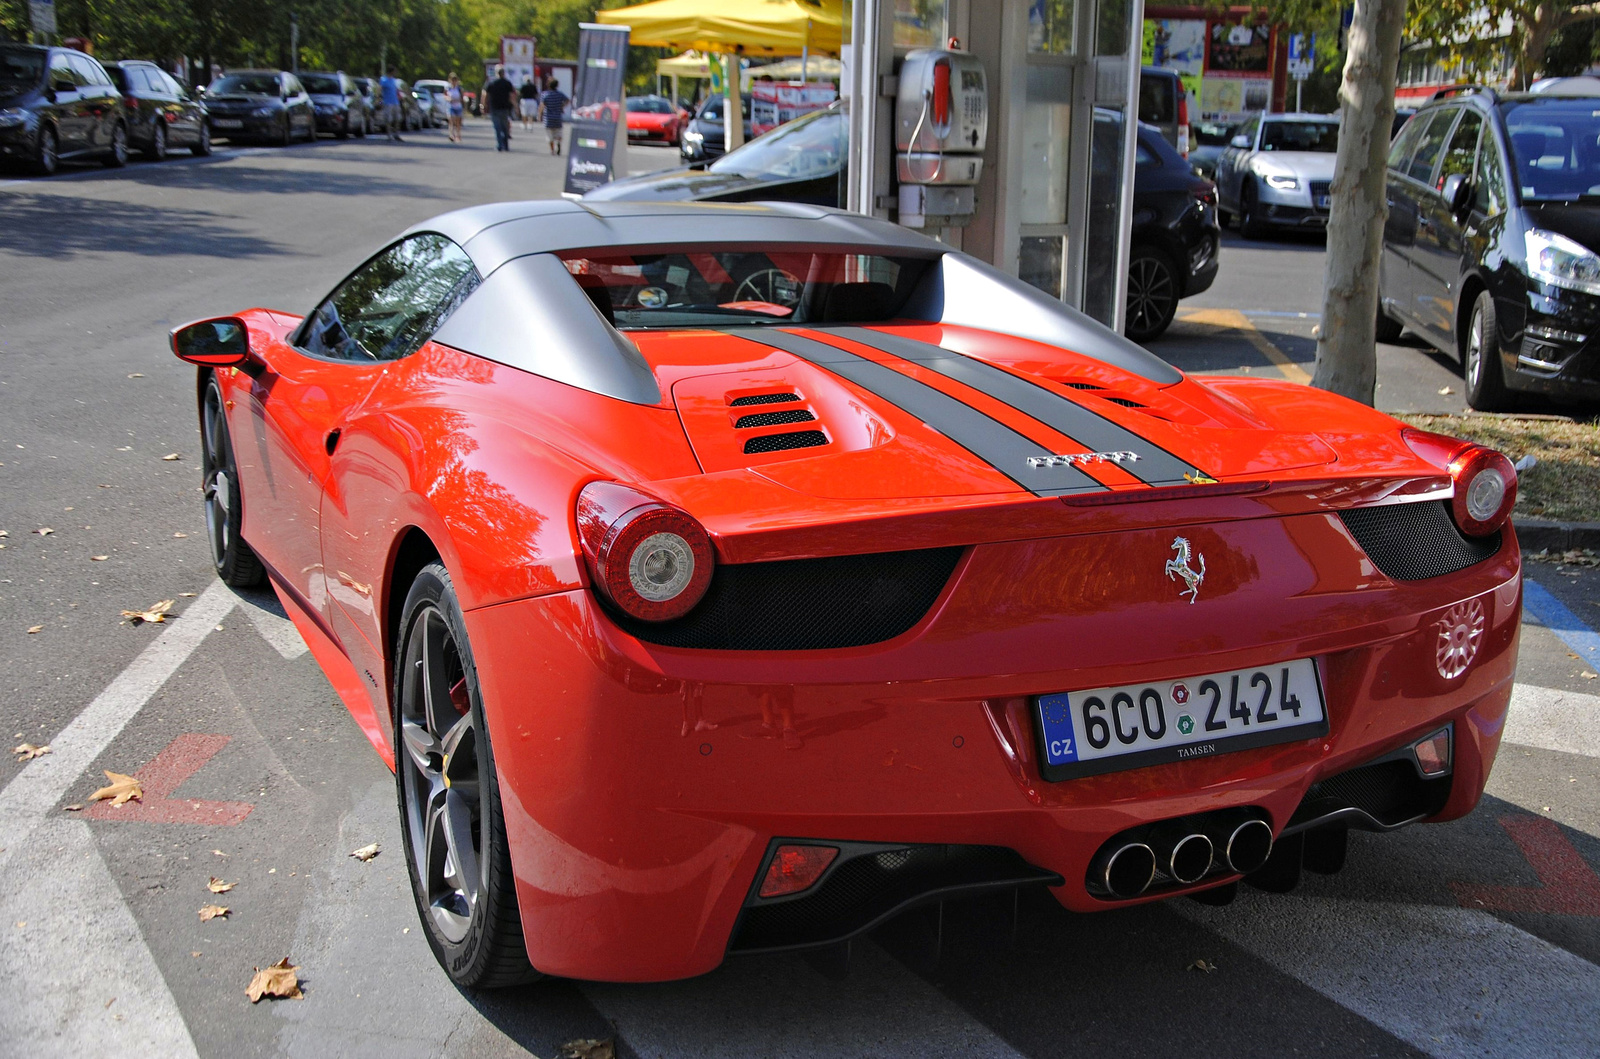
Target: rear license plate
1324, 201
1085, 733
227, 123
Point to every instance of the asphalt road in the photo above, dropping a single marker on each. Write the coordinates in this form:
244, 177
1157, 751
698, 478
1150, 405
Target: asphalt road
1476, 938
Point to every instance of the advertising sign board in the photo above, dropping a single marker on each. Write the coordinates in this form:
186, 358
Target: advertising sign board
773, 102
517, 56
598, 142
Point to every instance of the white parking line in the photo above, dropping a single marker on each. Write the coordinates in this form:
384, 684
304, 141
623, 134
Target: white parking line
1455, 983
1547, 719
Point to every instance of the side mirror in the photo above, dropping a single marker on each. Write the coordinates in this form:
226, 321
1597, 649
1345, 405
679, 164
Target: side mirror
1457, 192
219, 343
1242, 141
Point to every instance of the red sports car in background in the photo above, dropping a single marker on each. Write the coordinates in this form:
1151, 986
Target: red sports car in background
653, 119
726, 579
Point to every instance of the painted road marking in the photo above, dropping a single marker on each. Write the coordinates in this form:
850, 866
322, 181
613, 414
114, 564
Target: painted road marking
1547, 719
275, 629
165, 773
1234, 320
1568, 886
1455, 983
1554, 615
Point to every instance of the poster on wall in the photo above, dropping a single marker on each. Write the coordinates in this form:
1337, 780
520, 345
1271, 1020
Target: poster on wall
1179, 45
772, 103
1231, 99
597, 141
1239, 51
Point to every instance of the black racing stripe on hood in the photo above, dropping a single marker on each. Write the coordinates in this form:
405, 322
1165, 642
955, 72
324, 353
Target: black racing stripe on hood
1155, 465
985, 437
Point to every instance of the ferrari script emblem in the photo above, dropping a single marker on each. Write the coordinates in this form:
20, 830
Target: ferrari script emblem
1083, 459
1180, 567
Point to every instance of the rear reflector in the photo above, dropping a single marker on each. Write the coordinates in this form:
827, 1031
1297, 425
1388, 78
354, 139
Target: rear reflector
796, 868
1433, 753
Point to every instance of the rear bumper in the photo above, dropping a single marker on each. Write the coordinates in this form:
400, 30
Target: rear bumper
643, 786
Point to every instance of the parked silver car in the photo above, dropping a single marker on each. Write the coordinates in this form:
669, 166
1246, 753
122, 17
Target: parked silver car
439, 90
1276, 172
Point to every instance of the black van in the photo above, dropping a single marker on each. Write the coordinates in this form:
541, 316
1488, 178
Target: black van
1489, 250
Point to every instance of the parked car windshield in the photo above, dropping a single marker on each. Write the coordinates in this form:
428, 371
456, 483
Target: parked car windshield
321, 84
648, 105
1555, 148
1214, 133
247, 84
1320, 136
718, 287
20, 69
810, 146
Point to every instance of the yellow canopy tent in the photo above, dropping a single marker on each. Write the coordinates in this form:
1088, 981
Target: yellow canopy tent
743, 27
818, 67
689, 64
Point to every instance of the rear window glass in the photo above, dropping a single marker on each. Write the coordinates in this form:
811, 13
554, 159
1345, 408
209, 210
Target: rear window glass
648, 105
321, 84
1158, 100
734, 287
1320, 136
246, 84
20, 69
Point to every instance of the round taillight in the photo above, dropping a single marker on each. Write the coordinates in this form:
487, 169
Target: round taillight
651, 560
1485, 490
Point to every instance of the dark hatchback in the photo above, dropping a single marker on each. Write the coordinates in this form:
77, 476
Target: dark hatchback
703, 137
161, 113
1489, 252
269, 105
1175, 228
58, 104
338, 103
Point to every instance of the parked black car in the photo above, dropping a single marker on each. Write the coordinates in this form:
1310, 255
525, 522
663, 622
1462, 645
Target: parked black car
161, 113
270, 105
1175, 228
703, 136
1211, 138
339, 106
56, 104
1489, 252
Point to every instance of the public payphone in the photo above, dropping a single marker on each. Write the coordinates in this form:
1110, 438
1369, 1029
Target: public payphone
941, 129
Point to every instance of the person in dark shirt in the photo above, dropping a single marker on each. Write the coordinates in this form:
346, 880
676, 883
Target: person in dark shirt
502, 97
529, 93
551, 106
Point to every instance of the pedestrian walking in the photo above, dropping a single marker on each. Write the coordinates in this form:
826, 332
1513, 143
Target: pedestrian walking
551, 106
528, 101
389, 95
502, 97
457, 105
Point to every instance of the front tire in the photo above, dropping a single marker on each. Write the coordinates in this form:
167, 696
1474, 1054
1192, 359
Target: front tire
1153, 293
286, 137
236, 564
450, 814
1251, 226
1480, 359
47, 155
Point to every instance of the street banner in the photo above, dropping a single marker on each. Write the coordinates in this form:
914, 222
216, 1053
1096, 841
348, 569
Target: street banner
597, 113
517, 56
43, 13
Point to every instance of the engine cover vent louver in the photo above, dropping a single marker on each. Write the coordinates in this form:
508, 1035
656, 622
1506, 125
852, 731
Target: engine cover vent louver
763, 398
807, 604
1124, 402
772, 419
1082, 385
1416, 541
798, 439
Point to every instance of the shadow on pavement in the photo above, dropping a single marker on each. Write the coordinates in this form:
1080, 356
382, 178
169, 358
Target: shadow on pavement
62, 226
243, 178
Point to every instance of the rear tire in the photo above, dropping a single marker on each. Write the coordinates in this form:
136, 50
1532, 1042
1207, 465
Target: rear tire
1251, 225
202, 146
286, 137
1153, 292
1480, 359
117, 156
236, 564
1388, 328
451, 822
157, 151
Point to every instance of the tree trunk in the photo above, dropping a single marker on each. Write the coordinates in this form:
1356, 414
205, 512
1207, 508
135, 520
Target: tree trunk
1347, 360
1535, 40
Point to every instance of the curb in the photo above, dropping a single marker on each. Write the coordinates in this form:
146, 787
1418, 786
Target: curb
1535, 534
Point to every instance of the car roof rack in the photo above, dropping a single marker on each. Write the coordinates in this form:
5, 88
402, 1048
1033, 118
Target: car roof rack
1464, 90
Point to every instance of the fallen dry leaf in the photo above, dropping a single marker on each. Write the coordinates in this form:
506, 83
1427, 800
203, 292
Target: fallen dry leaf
137, 375
44, 531
588, 1049
35, 629
279, 980
27, 751
169, 457
1587, 676
210, 912
186, 595
366, 853
4, 533
120, 789
156, 614
98, 558
75, 807
1446, 391
217, 886
1202, 965
219, 853
180, 534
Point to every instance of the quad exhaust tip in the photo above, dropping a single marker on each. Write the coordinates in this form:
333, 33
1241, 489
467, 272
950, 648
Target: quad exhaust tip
1128, 870
1248, 846
1189, 859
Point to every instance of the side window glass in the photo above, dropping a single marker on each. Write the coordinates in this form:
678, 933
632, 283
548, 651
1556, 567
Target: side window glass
1429, 146
89, 72
1145, 158
61, 70
394, 303
1489, 185
1248, 131
293, 84
174, 89
1462, 153
1400, 151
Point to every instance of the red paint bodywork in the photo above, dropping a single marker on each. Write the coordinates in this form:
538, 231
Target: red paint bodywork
640, 783
646, 126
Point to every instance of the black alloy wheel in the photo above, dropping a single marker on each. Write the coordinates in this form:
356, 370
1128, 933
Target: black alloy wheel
158, 142
1152, 294
1251, 226
1480, 359
117, 156
47, 155
343, 131
450, 811
236, 564
202, 146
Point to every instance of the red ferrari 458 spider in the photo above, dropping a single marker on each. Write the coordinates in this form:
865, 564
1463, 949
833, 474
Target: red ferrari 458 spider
653, 118
727, 579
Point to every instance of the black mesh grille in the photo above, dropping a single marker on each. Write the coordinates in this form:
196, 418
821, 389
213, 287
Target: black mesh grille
868, 887
1318, 188
1083, 386
1410, 542
808, 604
763, 398
1124, 402
799, 439
772, 419
1391, 792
